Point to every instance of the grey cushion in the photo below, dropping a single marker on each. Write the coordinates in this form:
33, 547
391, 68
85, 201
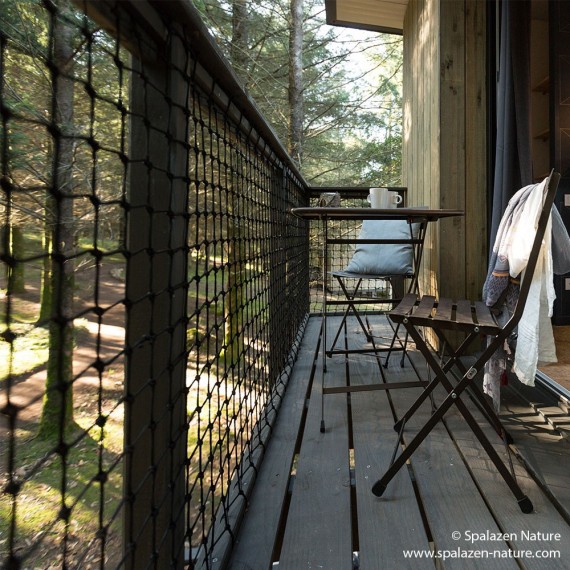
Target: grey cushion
383, 259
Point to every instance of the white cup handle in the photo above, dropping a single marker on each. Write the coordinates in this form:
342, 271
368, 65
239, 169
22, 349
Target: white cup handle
398, 198
369, 198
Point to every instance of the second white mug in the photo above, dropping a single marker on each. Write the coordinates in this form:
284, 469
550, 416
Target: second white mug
395, 199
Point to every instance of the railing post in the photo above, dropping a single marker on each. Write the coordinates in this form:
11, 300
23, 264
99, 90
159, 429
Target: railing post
156, 293
277, 281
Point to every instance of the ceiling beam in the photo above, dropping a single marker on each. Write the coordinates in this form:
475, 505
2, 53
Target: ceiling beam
385, 16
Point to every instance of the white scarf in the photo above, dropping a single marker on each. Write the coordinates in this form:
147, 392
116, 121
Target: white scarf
535, 341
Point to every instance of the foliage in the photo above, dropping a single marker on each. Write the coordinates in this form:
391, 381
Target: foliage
27, 91
352, 89
82, 95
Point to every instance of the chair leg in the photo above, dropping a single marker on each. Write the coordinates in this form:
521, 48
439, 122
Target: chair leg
509, 477
486, 408
339, 330
323, 371
380, 486
350, 296
391, 347
428, 390
392, 344
453, 398
404, 350
454, 360
419, 341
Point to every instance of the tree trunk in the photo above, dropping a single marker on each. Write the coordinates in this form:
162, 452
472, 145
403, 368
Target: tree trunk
234, 301
57, 412
240, 34
233, 333
296, 113
15, 248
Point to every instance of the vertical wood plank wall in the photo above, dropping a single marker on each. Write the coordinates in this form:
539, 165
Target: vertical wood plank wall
420, 160
444, 154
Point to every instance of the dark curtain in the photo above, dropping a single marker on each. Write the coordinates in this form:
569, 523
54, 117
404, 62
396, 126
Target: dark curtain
513, 159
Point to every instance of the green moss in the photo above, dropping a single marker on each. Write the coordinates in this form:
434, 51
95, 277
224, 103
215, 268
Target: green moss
38, 501
27, 352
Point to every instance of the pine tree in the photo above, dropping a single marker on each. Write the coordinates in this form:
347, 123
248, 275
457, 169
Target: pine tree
57, 411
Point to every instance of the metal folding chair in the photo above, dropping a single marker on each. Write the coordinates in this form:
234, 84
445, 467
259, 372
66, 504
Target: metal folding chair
473, 319
353, 299
400, 283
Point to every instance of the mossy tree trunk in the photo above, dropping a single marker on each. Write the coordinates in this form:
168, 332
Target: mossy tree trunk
57, 412
17, 277
235, 298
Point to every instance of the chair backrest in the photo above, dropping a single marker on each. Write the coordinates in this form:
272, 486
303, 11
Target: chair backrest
548, 201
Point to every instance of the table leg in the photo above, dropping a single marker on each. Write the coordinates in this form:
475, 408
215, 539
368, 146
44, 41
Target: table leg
324, 322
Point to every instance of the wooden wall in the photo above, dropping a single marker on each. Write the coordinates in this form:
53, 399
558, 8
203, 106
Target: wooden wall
444, 154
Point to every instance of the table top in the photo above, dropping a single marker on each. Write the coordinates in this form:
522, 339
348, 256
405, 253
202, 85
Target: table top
340, 213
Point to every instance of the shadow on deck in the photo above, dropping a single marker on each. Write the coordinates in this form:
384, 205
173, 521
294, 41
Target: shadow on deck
312, 505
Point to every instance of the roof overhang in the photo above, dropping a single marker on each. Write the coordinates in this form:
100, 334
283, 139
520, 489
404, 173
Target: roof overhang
385, 16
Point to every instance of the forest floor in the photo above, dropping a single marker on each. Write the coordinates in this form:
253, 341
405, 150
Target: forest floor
34, 462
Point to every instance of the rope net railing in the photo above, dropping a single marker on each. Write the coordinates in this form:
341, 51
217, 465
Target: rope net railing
153, 287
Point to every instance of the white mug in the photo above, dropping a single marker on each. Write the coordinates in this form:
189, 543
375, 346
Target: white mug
382, 198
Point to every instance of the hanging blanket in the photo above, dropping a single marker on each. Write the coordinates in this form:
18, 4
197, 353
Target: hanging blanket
535, 341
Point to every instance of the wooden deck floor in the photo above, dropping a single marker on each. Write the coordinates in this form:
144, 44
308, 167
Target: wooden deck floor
312, 505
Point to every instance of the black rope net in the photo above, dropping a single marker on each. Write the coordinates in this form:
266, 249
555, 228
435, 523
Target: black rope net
153, 289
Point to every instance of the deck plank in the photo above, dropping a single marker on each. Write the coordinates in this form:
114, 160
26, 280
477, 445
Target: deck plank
381, 538
451, 499
542, 530
457, 485
318, 533
254, 549
545, 452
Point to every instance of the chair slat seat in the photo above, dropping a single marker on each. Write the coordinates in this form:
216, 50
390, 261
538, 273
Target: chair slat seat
404, 308
425, 307
484, 315
463, 315
445, 308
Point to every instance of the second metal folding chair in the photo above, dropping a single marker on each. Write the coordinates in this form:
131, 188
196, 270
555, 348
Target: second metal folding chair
403, 279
